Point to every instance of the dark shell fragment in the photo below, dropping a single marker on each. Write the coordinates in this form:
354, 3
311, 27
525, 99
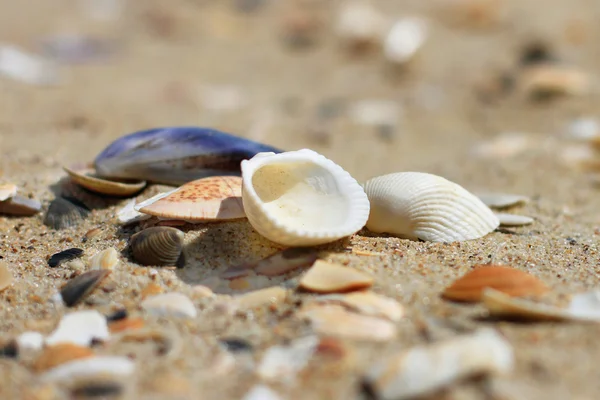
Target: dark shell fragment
65, 212
80, 287
64, 256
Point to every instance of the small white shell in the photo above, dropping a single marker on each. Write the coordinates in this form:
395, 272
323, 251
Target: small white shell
301, 198
405, 38
428, 207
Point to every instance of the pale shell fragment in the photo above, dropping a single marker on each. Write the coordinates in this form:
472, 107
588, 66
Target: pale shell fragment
262, 297
86, 179
81, 328
424, 369
6, 277
128, 214
261, 392
7, 190
334, 320
20, 205
284, 362
418, 205
405, 38
106, 259
368, 303
176, 304
215, 198
502, 200
89, 367
28, 68
513, 219
360, 24
584, 307
545, 80
326, 277
301, 198
30, 340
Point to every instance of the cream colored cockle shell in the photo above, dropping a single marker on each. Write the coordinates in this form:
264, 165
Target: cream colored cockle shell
417, 205
301, 198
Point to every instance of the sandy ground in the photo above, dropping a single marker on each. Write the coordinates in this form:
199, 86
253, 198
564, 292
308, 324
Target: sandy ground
164, 57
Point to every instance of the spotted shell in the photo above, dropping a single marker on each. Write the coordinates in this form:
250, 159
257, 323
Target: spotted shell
418, 205
216, 198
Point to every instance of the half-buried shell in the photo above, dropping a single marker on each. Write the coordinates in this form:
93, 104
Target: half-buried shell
301, 198
160, 245
86, 178
216, 198
418, 205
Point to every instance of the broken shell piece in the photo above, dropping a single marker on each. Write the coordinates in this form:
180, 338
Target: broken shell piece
405, 38
286, 261
20, 206
284, 362
325, 277
53, 356
216, 198
30, 340
64, 256
368, 303
300, 198
106, 259
7, 190
128, 214
262, 297
6, 277
504, 146
511, 281
360, 25
26, 67
161, 245
86, 179
80, 287
544, 80
584, 307
176, 304
89, 367
513, 219
418, 205
425, 369
334, 320
81, 328
502, 200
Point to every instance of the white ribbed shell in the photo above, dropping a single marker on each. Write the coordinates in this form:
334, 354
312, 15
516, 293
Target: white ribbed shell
301, 198
428, 207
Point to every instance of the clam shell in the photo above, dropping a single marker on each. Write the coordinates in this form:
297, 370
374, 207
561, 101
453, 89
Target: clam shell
160, 245
176, 155
20, 206
216, 198
80, 287
86, 179
418, 205
65, 213
300, 198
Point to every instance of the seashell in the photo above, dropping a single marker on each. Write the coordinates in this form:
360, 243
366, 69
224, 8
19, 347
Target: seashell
367, 303
276, 264
30, 341
261, 392
236, 345
80, 287
418, 205
281, 362
161, 245
513, 219
176, 155
545, 80
6, 277
64, 256
9, 350
216, 198
360, 25
325, 277
26, 67
584, 307
86, 178
105, 260
404, 39
7, 190
502, 200
300, 198
98, 366
260, 298
117, 315
20, 206
65, 212
53, 356
129, 215
334, 320
423, 370
176, 304
510, 281
81, 328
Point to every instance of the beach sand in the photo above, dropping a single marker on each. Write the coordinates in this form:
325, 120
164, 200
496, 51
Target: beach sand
165, 60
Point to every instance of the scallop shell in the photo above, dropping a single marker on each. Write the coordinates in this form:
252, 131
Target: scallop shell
176, 155
301, 198
86, 179
423, 206
160, 245
216, 198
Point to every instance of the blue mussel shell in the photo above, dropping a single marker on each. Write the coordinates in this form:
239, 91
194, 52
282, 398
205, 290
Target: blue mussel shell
176, 155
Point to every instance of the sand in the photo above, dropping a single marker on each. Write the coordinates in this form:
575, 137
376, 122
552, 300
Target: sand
162, 60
